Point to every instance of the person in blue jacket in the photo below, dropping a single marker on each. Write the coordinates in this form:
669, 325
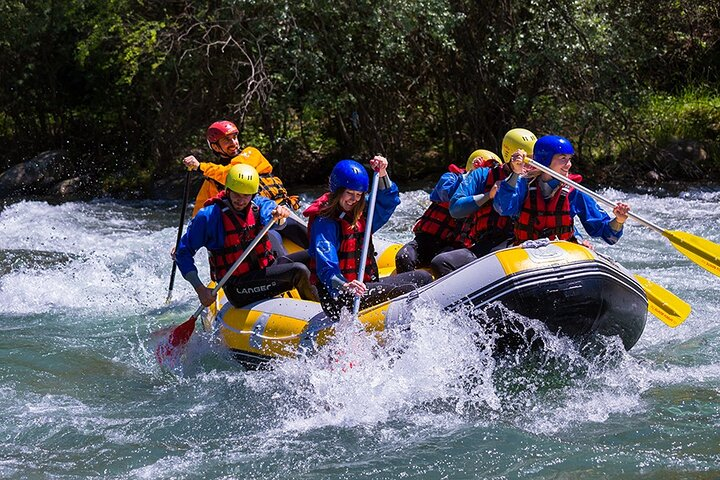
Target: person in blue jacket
337, 224
436, 230
544, 207
225, 226
481, 228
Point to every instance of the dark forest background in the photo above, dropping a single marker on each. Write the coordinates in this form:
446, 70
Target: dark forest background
128, 87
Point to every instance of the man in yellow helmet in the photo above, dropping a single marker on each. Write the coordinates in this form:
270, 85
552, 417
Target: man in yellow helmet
225, 225
222, 138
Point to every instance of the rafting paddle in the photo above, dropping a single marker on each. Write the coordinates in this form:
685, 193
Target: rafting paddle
186, 194
700, 250
179, 336
664, 304
366, 238
298, 218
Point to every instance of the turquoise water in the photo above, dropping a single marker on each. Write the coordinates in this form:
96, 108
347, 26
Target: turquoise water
83, 287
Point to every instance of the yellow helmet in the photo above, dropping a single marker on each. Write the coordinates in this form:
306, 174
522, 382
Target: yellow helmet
485, 155
242, 179
515, 139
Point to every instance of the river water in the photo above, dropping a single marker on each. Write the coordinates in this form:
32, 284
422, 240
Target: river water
83, 286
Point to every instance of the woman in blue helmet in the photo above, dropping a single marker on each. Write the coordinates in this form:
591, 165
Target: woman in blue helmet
544, 207
337, 223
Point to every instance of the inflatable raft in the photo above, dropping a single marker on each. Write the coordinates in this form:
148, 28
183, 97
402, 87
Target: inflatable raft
572, 290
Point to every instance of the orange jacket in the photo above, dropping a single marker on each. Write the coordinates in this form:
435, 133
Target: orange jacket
215, 174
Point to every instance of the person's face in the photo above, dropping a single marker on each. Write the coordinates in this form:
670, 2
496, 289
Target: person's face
229, 145
349, 199
239, 200
561, 163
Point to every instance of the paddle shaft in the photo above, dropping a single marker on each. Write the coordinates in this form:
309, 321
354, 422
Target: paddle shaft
297, 217
596, 196
186, 194
240, 259
366, 238
685, 242
235, 265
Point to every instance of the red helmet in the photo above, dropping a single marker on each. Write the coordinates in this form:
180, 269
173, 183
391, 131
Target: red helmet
218, 130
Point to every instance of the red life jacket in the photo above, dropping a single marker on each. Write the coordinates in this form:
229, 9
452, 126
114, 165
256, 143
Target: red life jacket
540, 218
436, 219
350, 248
240, 230
485, 221
314, 209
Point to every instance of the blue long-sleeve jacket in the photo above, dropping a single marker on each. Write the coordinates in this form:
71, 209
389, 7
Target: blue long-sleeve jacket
446, 187
509, 201
206, 230
462, 203
325, 238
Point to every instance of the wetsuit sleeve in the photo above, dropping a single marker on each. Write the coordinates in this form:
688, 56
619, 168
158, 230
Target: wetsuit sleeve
508, 199
266, 207
445, 187
386, 202
324, 244
594, 219
464, 201
204, 230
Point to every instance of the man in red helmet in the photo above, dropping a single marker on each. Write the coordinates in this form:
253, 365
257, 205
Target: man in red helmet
222, 138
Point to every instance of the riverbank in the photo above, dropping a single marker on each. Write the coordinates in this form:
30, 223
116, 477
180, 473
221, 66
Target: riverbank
46, 177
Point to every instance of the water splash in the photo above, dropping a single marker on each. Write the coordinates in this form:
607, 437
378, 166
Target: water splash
83, 286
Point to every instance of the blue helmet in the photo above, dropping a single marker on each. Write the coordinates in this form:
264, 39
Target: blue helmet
350, 175
550, 145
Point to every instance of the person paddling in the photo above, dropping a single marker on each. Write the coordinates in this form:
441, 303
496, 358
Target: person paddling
436, 230
222, 138
337, 224
543, 207
227, 223
481, 228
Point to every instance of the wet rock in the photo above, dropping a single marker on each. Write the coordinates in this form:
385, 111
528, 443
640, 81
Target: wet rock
36, 176
71, 187
652, 176
683, 159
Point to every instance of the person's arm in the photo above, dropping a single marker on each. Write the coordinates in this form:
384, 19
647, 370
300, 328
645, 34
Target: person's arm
595, 220
388, 195
204, 230
267, 207
324, 243
386, 202
211, 170
470, 194
215, 171
510, 196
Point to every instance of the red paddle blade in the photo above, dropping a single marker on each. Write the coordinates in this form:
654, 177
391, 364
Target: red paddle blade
175, 342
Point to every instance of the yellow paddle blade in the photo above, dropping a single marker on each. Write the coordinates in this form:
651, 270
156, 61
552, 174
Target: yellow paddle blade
700, 250
664, 304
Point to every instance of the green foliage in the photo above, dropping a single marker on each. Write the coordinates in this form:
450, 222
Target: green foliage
692, 115
129, 85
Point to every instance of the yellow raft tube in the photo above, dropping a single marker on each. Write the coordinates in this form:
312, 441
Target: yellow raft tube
571, 289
